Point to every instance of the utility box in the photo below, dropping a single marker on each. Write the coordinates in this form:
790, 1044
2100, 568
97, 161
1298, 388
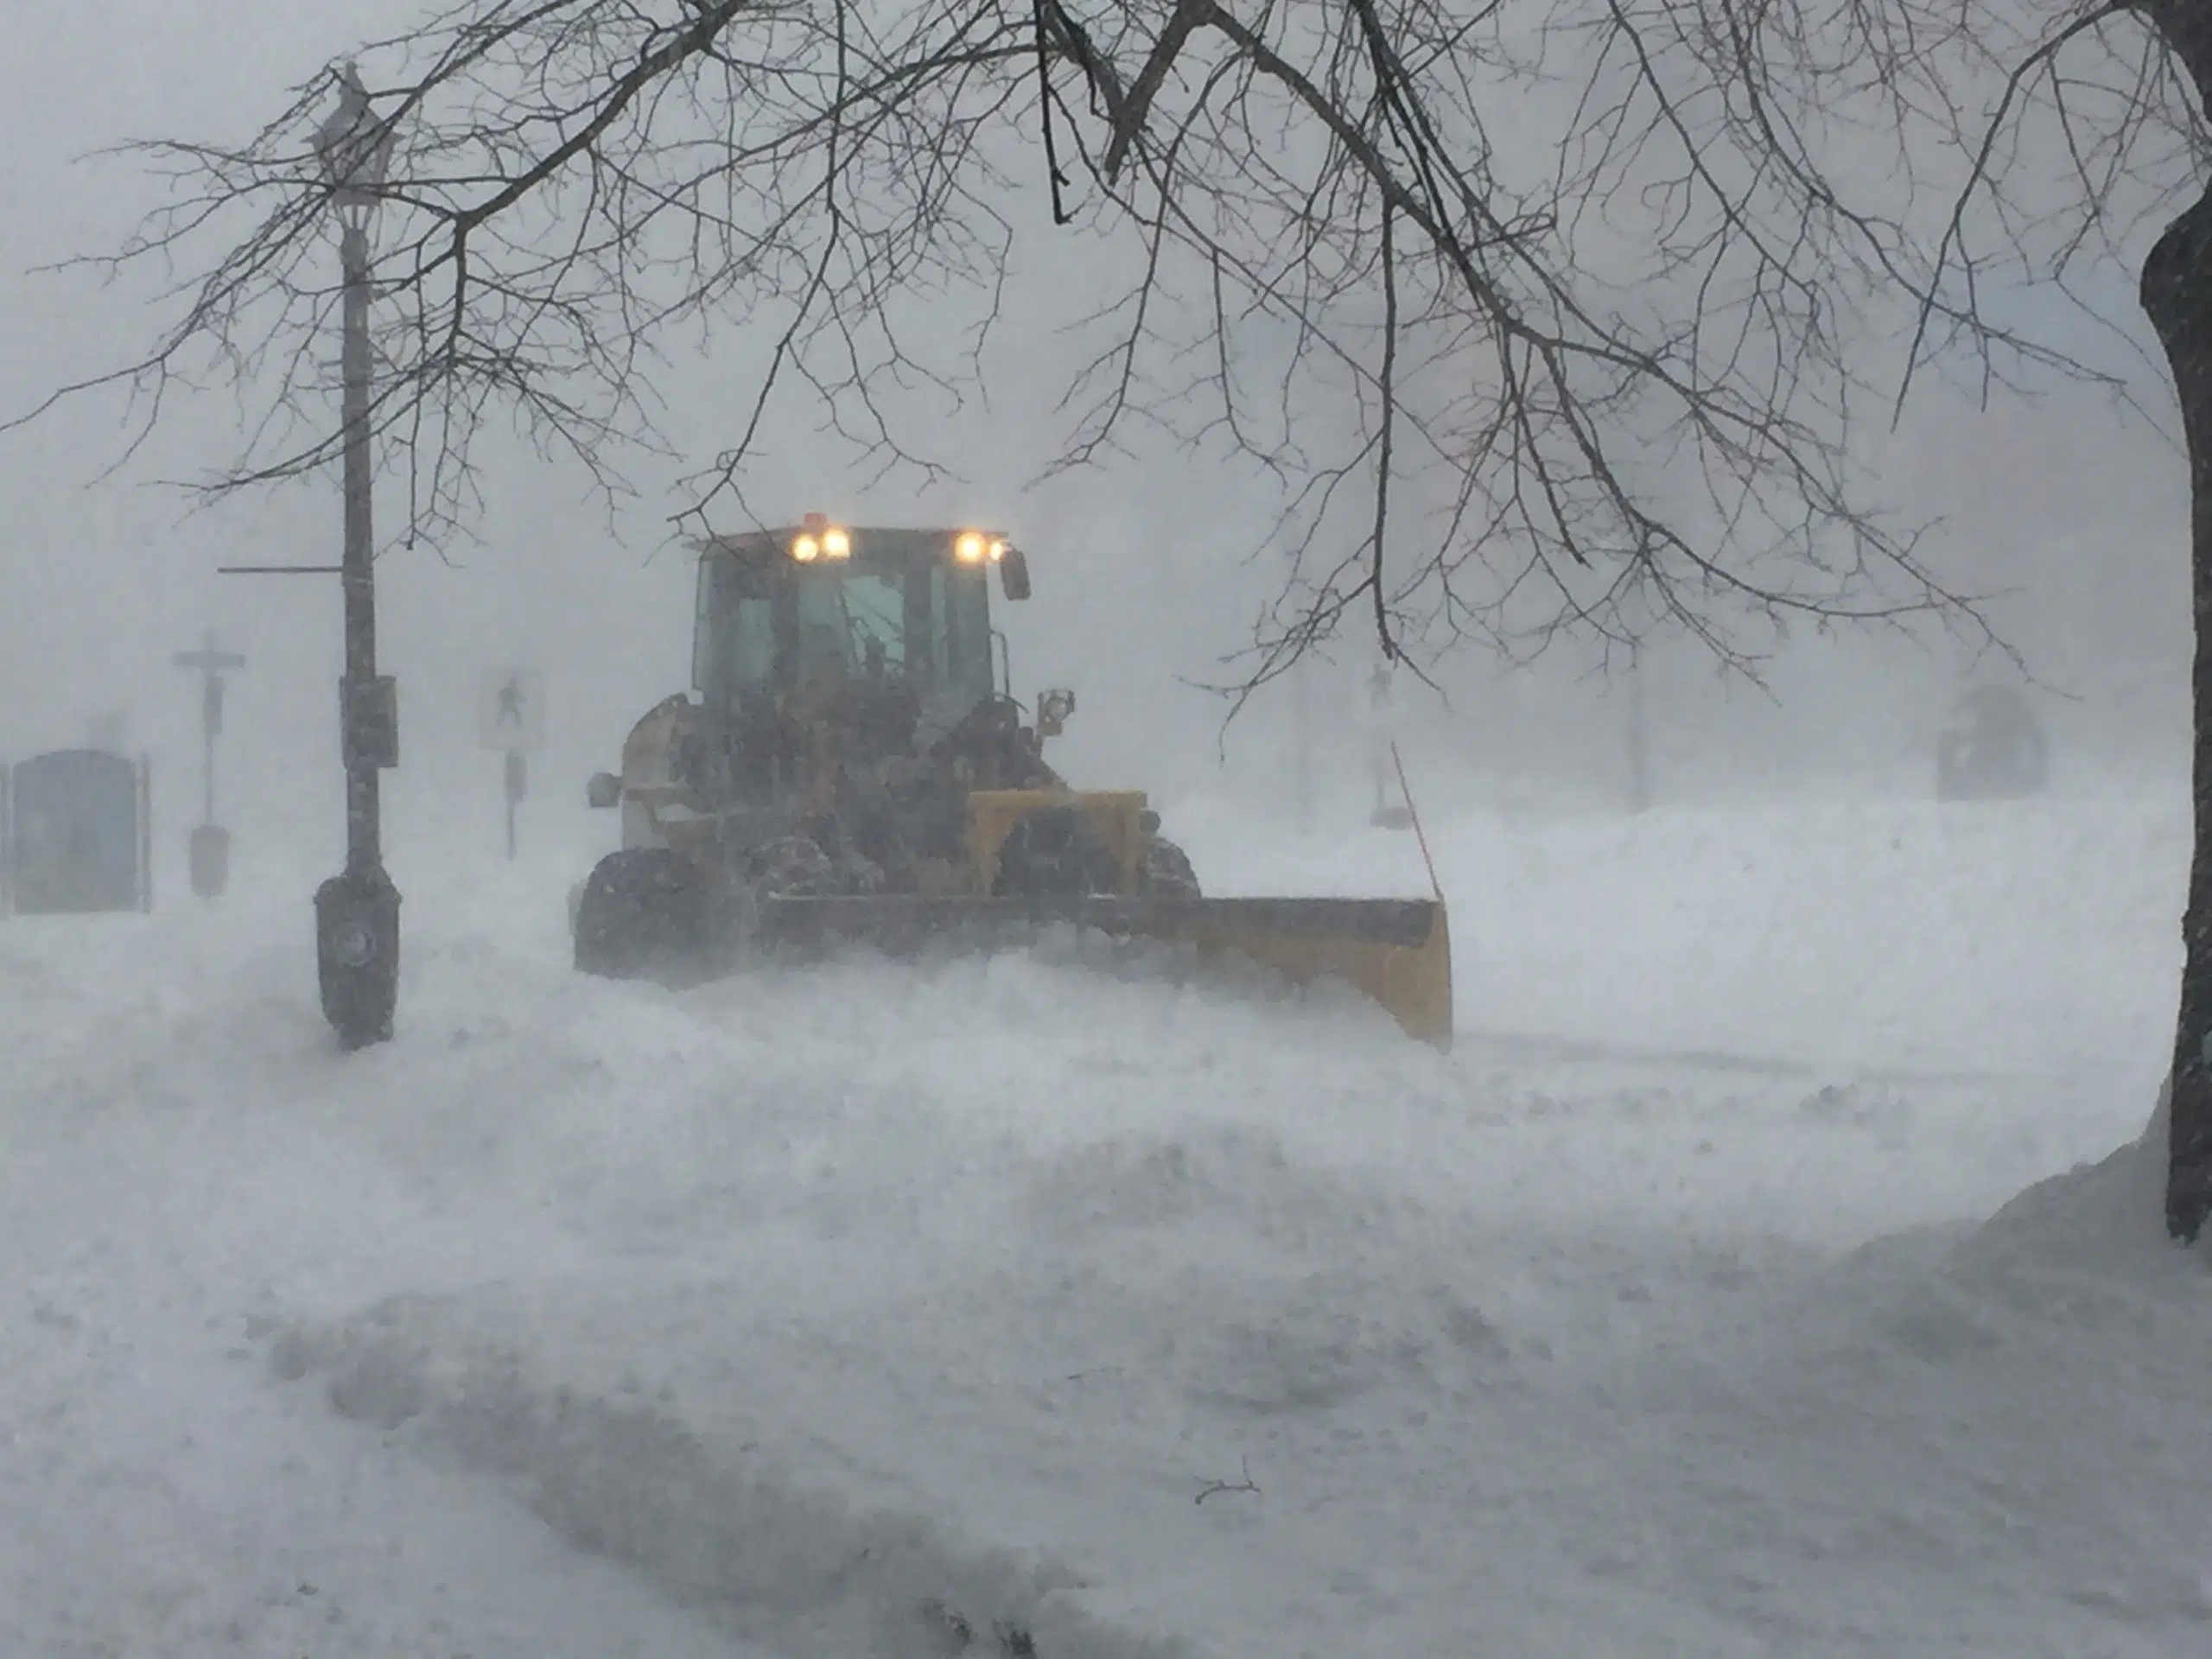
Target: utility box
78, 837
369, 717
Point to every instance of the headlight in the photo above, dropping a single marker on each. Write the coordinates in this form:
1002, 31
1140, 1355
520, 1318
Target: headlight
998, 551
969, 549
806, 549
836, 544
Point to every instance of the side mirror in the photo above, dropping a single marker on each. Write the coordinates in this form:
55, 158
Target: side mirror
1053, 709
604, 790
1014, 574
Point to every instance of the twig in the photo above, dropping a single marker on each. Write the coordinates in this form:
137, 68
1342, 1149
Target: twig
586, 191
1244, 1484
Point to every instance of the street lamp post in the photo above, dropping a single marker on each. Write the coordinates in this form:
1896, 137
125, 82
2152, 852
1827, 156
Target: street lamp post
357, 911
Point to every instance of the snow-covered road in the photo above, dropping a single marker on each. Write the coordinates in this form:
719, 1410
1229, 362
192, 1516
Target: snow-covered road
838, 1313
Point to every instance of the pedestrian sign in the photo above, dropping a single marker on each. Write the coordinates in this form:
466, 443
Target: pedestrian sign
511, 712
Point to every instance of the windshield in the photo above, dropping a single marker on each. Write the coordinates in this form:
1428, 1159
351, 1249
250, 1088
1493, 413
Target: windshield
764, 627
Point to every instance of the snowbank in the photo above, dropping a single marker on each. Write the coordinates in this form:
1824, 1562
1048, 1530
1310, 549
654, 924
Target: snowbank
2105, 1220
1205, 1389
693, 1494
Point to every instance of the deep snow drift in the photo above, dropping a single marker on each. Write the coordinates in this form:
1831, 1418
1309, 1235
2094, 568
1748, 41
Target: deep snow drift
857, 1309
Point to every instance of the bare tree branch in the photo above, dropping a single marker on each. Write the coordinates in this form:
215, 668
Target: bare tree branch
1544, 320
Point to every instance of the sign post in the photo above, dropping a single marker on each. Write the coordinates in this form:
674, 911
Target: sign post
511, 718
211, 843
1382, 720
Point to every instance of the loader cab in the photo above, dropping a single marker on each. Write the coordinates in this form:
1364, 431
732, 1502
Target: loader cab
784, 611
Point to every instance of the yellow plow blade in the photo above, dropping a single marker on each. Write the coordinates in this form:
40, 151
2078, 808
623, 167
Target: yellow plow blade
1396, 951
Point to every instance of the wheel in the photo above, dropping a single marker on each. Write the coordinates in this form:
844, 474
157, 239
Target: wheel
1165, 872
642, 915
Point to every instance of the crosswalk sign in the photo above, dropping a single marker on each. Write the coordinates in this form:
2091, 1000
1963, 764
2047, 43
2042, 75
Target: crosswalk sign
511, 710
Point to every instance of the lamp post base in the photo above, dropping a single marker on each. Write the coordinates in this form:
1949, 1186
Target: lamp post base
357, 954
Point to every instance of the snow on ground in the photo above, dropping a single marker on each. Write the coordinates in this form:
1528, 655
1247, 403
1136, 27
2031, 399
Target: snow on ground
1855, 934
828, 1313
164, 1213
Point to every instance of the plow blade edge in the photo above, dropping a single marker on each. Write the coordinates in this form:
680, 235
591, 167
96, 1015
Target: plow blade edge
1396, 951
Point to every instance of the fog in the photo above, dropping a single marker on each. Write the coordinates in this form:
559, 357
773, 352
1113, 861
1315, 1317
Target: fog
2074, 507
1789, 1180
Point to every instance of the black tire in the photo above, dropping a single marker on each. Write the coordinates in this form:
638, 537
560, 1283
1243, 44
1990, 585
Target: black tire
1165, 871
642, 915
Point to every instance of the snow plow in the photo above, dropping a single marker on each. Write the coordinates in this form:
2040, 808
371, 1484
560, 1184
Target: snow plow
852, 769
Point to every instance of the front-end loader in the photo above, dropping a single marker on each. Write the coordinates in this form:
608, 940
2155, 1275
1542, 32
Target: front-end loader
852, 768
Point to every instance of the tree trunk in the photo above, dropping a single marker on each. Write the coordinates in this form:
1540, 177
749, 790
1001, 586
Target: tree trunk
2177, 293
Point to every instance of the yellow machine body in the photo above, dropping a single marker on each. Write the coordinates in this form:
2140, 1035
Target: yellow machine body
1397, 952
